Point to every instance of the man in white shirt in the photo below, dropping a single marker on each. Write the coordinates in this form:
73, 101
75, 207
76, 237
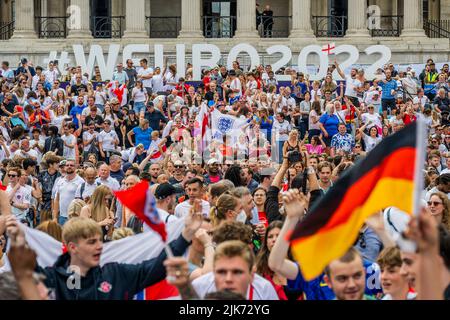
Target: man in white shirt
280, 134
232, 256
65, 192
165, 203
194, 189
25, 151
51, 74
19, 195
87, 188
145, 74
105, 179
352, 85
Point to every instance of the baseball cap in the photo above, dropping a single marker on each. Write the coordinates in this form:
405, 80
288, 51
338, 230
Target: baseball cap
114, 101
212, 161
62, 162
232, 72
23, 60
164, 190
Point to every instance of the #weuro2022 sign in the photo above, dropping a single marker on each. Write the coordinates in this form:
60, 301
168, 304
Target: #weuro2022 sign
208, 56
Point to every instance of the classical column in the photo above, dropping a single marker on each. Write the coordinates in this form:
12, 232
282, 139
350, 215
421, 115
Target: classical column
301, 19
246, 19
24, 24
413, 19
79, 21
135, 19
357, 19
191, 18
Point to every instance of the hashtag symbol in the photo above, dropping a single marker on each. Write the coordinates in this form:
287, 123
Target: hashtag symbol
62, 61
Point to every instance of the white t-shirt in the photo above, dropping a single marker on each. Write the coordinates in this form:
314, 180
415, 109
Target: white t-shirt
111, 183
88, 136
350, 86
169, 77
22, 196
69, 153
164, 216
87, 191
424, 100
182, 209
147, 83
23, 154
138, 95
157, 83
236, 84
100, 97
371, 142
107, 138
262, 289
51, 76
375, 118
282, 129
41, 143
66, 190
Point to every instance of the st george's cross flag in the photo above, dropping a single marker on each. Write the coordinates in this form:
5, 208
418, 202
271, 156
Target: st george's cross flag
142, 203
389, 176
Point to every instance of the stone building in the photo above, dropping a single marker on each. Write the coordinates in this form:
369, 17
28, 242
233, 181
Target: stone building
413, 29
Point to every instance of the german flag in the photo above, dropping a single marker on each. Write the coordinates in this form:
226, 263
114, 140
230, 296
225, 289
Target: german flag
384, 178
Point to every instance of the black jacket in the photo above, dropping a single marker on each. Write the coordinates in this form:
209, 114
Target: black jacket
53, 143
113, 281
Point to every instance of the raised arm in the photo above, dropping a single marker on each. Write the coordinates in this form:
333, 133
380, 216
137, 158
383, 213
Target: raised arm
294, 205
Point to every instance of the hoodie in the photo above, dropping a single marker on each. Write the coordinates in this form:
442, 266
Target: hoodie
113, 281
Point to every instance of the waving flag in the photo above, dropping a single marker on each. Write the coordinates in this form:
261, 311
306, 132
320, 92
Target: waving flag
142, 203
226, 125
389, 176
117, 91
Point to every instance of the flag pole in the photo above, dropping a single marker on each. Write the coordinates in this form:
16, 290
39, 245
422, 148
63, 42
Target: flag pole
419, 164
168, 250
409, 245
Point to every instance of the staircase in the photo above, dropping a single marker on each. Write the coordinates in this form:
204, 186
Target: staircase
437, 28
6, 30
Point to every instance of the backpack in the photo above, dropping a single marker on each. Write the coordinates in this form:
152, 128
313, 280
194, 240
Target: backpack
83, 186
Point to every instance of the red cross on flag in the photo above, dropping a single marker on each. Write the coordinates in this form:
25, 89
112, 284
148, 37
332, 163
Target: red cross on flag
329, 48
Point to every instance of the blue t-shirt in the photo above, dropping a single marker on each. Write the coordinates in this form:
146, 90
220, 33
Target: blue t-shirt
76, 110
330, 124
143, 136
387, 88
317, 289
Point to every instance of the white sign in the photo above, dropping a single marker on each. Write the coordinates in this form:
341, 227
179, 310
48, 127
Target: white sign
97, 57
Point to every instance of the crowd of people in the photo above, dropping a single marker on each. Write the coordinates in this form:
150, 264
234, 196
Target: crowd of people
68, 141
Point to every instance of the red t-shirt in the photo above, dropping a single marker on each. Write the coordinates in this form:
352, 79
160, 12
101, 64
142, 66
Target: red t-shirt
263, 218
407, 119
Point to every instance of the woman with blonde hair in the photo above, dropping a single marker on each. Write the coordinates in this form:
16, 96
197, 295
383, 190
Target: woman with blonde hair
227, 208
99, 209
51, 228
75, 207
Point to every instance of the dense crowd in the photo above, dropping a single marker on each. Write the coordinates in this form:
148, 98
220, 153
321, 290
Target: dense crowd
67, 141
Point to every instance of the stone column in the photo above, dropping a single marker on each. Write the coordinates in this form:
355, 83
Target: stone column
301, 19
357, 19
246, 19
191, 19
413, 19
79, 22
135, 19
24, 25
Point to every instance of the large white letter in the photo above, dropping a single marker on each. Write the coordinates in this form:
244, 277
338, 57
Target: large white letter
96, 53
198, 62
159, 56
181, 60
132, 48
303, 62
243, 47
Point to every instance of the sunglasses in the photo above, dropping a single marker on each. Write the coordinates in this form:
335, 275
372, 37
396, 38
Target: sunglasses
179, 167
434, 203
12, 175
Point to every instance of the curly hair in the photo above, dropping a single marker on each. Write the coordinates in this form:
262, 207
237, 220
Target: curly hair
232, 230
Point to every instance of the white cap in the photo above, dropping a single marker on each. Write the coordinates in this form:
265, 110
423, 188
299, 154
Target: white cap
212, 161
395, 223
